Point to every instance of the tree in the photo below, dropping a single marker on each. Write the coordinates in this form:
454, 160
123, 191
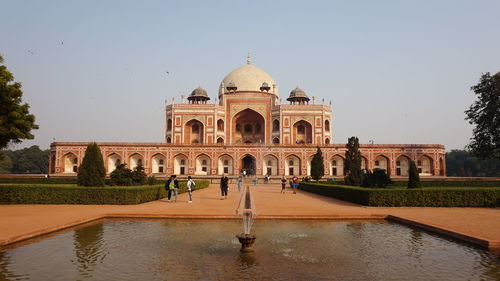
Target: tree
5, 163
317, 165
413, 177
121, 175
353, 163
461, 163
16, 122
484, 114
138, 176
31, 160
91, 172
378, 178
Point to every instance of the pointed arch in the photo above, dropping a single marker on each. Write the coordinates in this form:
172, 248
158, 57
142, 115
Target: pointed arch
225, 164
402, 165
302, 132
113, 160
270, 165
181, 164
337, 165
193, 132
425, 164
70, 163
203, 164
158, 163
292, 165
382, 161
248, 127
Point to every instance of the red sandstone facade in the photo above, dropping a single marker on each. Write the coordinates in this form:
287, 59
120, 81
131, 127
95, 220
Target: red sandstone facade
248, 129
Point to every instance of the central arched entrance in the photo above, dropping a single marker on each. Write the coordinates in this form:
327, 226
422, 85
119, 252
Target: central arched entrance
248, 164
248, 127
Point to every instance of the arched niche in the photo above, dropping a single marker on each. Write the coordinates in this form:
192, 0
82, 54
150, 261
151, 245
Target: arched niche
248, 127
337, 166
70, 163
193, 132
225, 165
180, 164
402, 165
292, 165
382, 162
135, 160
270, 165
203, 162
302, 132
113, 161
158, 162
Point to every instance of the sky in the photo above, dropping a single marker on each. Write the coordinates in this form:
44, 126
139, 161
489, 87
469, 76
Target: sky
395, 71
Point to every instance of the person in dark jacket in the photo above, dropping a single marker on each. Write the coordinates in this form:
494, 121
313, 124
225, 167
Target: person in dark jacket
224, 181
172, 186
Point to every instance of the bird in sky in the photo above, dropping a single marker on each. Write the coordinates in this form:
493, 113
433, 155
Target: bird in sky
62, 42
167, 72
31, 52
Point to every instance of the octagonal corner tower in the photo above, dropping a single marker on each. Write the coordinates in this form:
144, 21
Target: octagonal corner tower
248, 78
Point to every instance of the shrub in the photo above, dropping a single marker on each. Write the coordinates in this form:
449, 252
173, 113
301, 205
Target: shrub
422, 197
91, 172
121, 175
138, 176
377, 178
413, 176
72, 194
151, 180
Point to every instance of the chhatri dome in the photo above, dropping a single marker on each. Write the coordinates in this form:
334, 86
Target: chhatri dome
248, 78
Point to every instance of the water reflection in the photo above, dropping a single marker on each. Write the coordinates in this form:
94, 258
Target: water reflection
5, 272
415, 243
88, 248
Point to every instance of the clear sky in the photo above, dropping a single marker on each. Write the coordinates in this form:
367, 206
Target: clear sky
395, 71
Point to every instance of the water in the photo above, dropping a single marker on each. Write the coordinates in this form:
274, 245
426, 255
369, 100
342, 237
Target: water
208, 250
246, 209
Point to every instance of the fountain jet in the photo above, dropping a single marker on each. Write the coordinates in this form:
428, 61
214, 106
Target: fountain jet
247, 210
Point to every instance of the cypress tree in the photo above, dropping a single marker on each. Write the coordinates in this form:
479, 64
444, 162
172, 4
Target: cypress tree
413, 177
91, 172
317, 165
353, 163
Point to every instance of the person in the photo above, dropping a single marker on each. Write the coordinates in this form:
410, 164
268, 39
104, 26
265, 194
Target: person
295, 184
173, 188
267, 178
224, 186
255, 179
283, 184
190, 185
239, 182
244, 173
169, 187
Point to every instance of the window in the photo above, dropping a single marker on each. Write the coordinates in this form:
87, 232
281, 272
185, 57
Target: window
276, 125
334, 171
419, 163
226, 170
204, 168
419, 170
204, 162
334, 162
169, 125
195, 128
183, 162
160, 162
160, 169
290, 162
269, 163
377, 163
276, 140
398, 163
139, 162
248, 128
290, 171
327, 125
226, 162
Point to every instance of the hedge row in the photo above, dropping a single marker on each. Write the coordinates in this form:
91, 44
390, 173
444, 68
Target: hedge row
418, 197
438, 183
39, 180
72, 194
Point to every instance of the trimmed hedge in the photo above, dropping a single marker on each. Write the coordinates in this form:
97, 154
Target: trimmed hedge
39, 180
418, 197
72, 194
436, 183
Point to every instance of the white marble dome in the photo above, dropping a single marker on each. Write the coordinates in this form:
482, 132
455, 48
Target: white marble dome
248, 78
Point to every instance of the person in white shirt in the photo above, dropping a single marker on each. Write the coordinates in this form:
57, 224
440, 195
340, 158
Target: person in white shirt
190, 186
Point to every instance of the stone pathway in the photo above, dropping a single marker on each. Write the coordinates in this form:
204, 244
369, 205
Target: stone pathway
477, 225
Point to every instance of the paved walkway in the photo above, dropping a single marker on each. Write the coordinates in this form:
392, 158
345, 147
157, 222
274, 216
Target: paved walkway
477, 225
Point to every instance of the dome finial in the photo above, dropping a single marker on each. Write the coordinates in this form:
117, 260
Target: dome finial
248, 58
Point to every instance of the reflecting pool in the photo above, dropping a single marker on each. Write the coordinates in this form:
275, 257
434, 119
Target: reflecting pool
209, 250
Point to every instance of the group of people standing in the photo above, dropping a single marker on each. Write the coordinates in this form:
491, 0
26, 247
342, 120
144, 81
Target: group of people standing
172, 186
